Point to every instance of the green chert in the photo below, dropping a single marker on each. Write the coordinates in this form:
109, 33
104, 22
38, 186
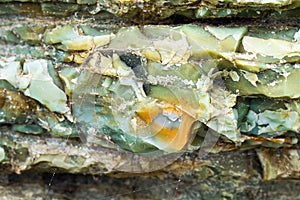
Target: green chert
229, 36
268, 117
88, 30
159, 40
135, 39
60, 34
281, 120
9, 36
58, 125
214, 40
269, 83
183, 73
30, 129
41, 86
10, 72
70, 40
69, 77
250, 63
186, 73
271, 123
30, 34
85, 42
165, 84
288, 34
126, 94
271, 47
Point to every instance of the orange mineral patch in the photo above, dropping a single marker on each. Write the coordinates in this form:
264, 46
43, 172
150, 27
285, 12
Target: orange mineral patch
172, 139
166, 134
148, 113
183, 136
172, 109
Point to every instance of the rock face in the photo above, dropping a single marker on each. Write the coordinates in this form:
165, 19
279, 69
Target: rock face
157, 10
100, 91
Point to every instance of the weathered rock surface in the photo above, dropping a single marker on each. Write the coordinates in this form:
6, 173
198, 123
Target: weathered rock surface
253, 66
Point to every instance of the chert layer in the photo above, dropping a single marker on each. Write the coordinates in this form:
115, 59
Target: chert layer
151, 88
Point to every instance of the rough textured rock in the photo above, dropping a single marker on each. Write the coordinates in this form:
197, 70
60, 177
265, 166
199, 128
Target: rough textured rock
46, 153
